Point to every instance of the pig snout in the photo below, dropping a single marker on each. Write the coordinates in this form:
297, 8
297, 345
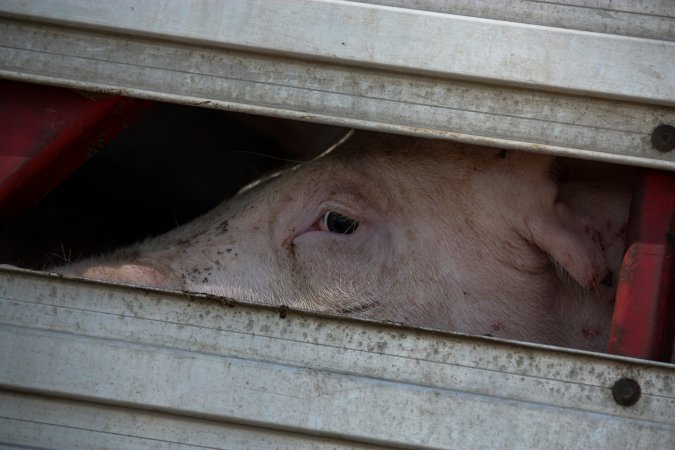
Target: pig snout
136, 274
427, 233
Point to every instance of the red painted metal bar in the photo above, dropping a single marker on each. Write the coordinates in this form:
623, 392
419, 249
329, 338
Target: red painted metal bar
643, 324
46, 133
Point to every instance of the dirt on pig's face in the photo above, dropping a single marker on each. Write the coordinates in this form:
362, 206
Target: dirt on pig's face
422, 232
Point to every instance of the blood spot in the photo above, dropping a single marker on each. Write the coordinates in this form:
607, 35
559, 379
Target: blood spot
590, 333
497, 326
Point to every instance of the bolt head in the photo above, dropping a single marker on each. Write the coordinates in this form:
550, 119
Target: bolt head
626, 392
663, 138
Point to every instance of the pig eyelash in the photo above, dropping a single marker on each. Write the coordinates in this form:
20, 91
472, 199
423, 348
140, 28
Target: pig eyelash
334, 222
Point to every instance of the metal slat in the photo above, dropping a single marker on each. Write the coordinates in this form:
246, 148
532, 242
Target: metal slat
652, 20
400, 70
393, 38
137, 349
49, 422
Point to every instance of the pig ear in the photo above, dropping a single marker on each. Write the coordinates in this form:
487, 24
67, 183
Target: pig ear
565, 235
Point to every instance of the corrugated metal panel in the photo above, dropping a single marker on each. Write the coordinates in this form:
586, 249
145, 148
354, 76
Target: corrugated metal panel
89, 365
581, 93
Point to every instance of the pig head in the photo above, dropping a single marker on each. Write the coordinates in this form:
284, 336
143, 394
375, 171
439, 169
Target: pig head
423, 232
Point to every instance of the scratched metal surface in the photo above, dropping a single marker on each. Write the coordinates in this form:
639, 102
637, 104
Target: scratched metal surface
652, 20
594, 88
93, 365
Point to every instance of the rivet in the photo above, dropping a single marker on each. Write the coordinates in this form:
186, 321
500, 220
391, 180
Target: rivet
663, 138
626, 392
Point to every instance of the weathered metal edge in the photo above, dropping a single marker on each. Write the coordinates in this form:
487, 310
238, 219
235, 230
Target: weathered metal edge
276, 309
561, 60
477, 139
651, 20
317, 91
37, 343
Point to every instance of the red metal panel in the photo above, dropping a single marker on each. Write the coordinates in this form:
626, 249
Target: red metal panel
643, 323
46, 133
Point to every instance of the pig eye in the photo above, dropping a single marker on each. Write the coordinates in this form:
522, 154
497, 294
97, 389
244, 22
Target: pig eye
339, 223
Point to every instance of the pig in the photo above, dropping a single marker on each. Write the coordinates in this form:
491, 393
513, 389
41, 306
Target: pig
427, 233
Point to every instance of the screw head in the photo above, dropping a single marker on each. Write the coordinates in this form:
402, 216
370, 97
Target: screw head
663, 138
626, 392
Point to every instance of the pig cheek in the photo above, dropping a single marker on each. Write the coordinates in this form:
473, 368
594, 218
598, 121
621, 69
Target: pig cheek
333, 273
218, 262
